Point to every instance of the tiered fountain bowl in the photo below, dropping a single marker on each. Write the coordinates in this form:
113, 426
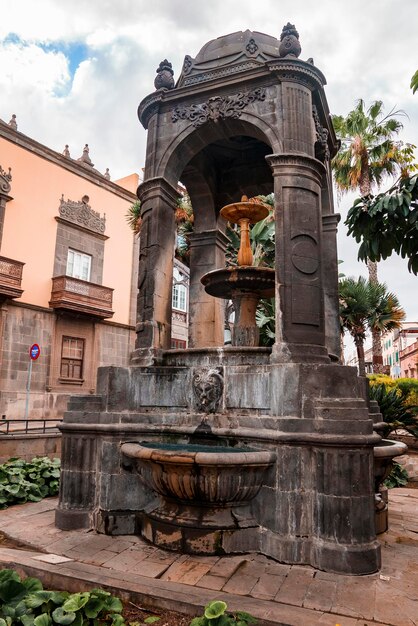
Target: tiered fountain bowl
244, 284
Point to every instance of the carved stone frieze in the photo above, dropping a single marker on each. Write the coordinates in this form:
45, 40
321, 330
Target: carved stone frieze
5, 179
81, 214
219, 73
208, 386
321, 144
218, 107
294, 70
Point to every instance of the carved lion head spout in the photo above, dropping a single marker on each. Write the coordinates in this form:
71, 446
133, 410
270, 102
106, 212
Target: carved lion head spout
208, 385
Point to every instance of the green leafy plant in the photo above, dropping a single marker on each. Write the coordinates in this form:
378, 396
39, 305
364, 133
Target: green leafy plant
398, 477
216, 614
25, 602
395, 412
28, 481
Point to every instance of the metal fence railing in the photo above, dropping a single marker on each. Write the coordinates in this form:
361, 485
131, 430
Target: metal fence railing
28, 426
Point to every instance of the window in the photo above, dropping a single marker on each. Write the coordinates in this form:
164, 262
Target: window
179, 299
178, 344
78, 265
72, 355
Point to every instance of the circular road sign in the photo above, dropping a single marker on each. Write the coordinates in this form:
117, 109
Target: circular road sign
34, 352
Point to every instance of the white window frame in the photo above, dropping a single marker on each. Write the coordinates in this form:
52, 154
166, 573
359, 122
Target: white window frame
78, 265
179, 293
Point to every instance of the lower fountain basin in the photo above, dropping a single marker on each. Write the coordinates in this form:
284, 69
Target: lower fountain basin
204, 495
201, 474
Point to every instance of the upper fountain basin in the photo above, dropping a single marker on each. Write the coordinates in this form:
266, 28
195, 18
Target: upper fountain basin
229, 282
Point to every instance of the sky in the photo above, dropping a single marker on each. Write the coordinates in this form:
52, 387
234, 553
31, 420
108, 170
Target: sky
74, 72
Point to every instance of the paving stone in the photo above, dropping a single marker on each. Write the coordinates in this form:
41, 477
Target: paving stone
226, 566
125, 561
211, 582
194, 573
295, 586
267, 586
149, 568
355, 597
397, 604
320, 595
101, 557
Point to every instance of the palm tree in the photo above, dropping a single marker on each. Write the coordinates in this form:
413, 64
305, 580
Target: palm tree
366, 305
354, 313
386, 312
368, 153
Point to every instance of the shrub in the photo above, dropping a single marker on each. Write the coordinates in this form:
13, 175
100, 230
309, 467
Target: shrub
396, 414
28, 481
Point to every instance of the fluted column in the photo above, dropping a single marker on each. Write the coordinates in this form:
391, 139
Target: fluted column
155, 274
300, 329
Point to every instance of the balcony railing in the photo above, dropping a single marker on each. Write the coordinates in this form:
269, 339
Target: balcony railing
10, 278
80, 296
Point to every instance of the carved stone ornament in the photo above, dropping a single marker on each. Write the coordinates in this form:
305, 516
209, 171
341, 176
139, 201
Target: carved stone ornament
208, 386
187, 64
164, 78
321, 143
251, 46
218, 107
81, 214
289, 39
5, 179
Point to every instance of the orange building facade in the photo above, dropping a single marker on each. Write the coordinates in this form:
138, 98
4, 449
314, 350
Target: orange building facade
68, 274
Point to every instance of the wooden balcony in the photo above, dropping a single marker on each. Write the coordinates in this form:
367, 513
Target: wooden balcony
79, 296
10, 278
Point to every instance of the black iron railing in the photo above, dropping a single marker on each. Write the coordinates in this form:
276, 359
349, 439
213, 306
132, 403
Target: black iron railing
28, 426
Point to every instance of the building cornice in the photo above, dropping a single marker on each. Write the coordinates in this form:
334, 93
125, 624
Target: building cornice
71, 165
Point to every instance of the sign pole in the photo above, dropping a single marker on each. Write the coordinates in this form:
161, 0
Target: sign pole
34, 353
28, 389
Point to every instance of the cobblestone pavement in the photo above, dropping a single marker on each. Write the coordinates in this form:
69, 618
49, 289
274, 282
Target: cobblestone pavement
273, 591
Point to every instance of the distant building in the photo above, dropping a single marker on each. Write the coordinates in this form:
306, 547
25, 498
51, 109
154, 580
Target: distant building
352, 360
68, 274
394, 346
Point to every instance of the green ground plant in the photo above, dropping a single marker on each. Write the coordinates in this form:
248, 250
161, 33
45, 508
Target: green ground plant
28, 481
216, 614
25, 602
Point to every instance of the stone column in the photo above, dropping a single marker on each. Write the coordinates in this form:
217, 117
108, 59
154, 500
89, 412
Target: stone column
330, 276
155, 274
300, 328
206, 313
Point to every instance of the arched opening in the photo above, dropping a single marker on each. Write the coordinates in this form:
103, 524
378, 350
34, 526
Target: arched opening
233, 164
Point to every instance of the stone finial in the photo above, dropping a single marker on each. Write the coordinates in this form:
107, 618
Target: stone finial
66, 151
289, 46
164, 78
13, 122
107, 174
85, 158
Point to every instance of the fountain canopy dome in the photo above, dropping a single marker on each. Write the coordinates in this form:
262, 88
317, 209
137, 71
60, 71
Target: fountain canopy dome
233, 53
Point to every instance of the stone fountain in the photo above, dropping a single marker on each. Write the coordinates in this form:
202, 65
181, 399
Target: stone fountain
230, 449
